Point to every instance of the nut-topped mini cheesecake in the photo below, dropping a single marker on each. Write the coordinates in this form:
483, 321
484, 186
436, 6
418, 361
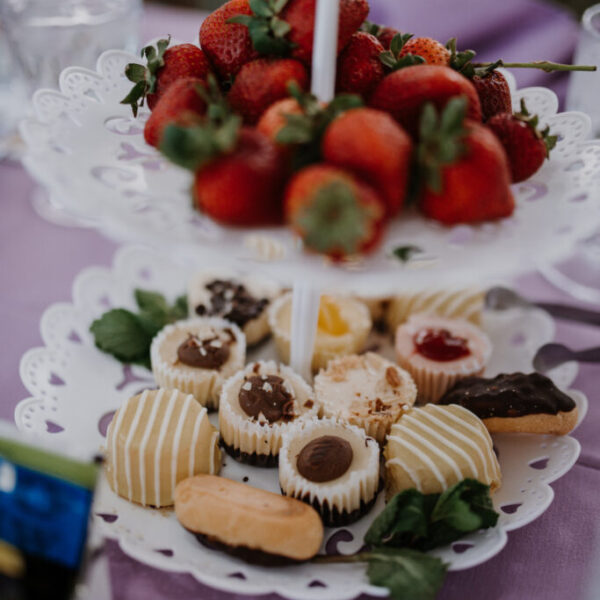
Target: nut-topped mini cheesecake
197, 355
366, 390
257, 405
240, 300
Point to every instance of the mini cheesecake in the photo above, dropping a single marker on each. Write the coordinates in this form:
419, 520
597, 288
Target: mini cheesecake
240, 300
438, 352
332, 466
343, 326
365, 390
197, 355
433, 447
155, 440
257, 405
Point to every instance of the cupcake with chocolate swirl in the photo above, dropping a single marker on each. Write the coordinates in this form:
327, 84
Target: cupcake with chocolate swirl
256, 407
240, 300
196, 356
332, 466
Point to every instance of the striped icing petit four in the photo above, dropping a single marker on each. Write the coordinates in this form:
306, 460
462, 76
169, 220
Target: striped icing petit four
197, 355
434, 447
466, 303
155, 440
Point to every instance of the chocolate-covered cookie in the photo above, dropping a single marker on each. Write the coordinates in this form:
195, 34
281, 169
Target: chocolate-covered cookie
526, 403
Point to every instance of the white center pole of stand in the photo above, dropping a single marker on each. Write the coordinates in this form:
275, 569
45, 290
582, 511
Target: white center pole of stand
305, 313
305, 296
325, 49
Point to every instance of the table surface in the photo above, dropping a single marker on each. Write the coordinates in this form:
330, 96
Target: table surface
550, 558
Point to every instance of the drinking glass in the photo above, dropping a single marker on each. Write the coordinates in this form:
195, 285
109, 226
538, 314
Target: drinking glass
579, 275
39, 38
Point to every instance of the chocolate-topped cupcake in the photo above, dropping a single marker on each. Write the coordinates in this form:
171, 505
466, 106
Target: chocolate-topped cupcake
243, 301
332, 466
257, 405
197, 355
516, 402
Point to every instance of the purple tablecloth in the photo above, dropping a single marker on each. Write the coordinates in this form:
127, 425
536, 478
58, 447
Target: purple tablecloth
550, 558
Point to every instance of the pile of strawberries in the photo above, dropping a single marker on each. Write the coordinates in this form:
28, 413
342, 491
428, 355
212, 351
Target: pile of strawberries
414, 120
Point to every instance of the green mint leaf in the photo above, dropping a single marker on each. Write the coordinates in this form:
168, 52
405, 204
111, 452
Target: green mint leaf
423, 522
405, 253
151, 301
120, 333
403, 519
408, 575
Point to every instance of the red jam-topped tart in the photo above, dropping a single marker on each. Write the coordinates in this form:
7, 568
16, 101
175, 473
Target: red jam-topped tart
440, 345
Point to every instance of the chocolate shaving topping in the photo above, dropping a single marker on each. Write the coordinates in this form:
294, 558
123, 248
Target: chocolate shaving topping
325, 458
232, 301
509, 395
266, 395
210, 353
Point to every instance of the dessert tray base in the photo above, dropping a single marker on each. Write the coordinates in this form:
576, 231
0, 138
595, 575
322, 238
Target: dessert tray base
75, 389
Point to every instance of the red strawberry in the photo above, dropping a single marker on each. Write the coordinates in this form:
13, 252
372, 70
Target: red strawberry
404, 92
466, 178
359, 69
526, 146
262, 82
494, 94
227, 44
181, 102
300, 15
163, 67
333, 212
384, 34
429, 49
273, 119
244, 186
281, 28
386, 163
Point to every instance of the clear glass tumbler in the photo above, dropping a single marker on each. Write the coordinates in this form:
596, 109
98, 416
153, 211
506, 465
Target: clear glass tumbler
579, 275
39, 38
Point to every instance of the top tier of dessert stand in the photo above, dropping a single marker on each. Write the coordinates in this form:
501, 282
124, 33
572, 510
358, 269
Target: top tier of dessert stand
89, 152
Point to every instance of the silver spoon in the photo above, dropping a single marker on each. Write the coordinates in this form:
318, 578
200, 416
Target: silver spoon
502, 298
552, 355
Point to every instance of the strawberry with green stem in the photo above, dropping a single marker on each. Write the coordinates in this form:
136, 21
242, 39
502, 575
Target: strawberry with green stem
359, 68
286, 27
239, 172
303, 129
164, 66
384, 34
333, 212
463, 169
526, 145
